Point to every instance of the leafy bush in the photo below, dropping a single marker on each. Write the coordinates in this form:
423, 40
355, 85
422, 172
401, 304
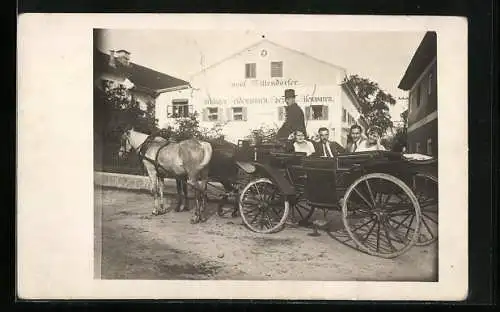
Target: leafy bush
263, 134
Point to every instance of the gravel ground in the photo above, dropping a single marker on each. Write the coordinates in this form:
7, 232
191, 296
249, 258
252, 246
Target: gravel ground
137, 245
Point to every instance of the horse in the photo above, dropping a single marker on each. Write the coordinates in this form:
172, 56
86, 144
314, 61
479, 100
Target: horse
223, 169
186, 160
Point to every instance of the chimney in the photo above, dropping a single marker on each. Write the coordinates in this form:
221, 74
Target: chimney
123, 57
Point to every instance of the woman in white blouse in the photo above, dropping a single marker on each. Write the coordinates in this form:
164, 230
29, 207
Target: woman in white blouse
301, 145
373, 142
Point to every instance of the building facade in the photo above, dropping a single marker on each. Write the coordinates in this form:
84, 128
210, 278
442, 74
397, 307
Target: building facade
420, 80
144, 84
245, 91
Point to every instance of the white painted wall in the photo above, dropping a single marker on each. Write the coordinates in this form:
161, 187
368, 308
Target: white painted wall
224, 86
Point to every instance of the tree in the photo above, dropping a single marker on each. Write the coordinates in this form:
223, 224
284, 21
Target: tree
374, 101
114, 108
399, 139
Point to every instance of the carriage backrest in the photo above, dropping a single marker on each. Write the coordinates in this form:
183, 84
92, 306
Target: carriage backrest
284, 160
347, 161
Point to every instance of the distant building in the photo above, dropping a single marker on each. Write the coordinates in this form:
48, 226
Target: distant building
420, 80
245, 91
144, 84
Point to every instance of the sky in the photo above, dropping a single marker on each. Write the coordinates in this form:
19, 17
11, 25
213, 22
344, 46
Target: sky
379, 56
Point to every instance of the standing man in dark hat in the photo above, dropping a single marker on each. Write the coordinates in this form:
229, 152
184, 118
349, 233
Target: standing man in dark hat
294, 119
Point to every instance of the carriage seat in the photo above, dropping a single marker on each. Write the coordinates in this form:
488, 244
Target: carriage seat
246, 166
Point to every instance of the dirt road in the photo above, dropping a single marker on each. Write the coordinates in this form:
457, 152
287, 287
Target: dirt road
137, 245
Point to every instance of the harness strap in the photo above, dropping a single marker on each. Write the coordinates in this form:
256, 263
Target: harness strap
143, 149
156, 163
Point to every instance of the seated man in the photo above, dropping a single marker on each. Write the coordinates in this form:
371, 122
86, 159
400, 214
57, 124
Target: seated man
356, 139
325, 148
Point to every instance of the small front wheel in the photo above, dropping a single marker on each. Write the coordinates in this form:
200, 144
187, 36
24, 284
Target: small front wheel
262, 206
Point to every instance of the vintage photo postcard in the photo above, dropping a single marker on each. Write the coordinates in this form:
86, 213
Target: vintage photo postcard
199, 156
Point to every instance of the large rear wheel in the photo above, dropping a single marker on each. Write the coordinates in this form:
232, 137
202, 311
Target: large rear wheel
262, 206
382, 215
425, 187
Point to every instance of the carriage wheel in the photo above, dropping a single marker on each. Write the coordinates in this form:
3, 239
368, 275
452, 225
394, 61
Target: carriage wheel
262, 207
425, 187
301, 210
382, 215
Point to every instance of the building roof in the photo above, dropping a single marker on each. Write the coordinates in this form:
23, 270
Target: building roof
272, 43
352, 95
143, 77
425, 53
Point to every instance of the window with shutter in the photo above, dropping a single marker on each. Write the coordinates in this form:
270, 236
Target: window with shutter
276, 69
204, 115
308, 112
325, 112
180, 108
319, 112
344, 115
213, 113
245, 114
250, 70
237, 113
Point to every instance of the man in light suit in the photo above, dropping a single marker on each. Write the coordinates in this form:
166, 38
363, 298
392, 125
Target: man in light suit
325, 148
356, 139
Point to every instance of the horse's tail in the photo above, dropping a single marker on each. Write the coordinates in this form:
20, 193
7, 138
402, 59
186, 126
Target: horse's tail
207, 148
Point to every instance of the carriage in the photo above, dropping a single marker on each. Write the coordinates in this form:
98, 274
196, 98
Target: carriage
388, 201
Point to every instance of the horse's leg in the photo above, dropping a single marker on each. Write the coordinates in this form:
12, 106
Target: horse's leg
180, 204
154, 184
203, 175
160, 190
185, 192
203, 198
196, 218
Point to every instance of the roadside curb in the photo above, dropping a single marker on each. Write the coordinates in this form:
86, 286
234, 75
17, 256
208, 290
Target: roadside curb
131, 182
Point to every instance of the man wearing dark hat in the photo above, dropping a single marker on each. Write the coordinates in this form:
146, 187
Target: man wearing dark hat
294, 119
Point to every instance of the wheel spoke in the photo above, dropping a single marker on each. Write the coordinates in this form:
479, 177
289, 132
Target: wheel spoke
429, 217
258, 192
395, 234
399, 223
389, 196
255, 217
378, 236
409, 227
427, 227
366, 223
362, 197
369, 232
388, 237
300, 212
371, 193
